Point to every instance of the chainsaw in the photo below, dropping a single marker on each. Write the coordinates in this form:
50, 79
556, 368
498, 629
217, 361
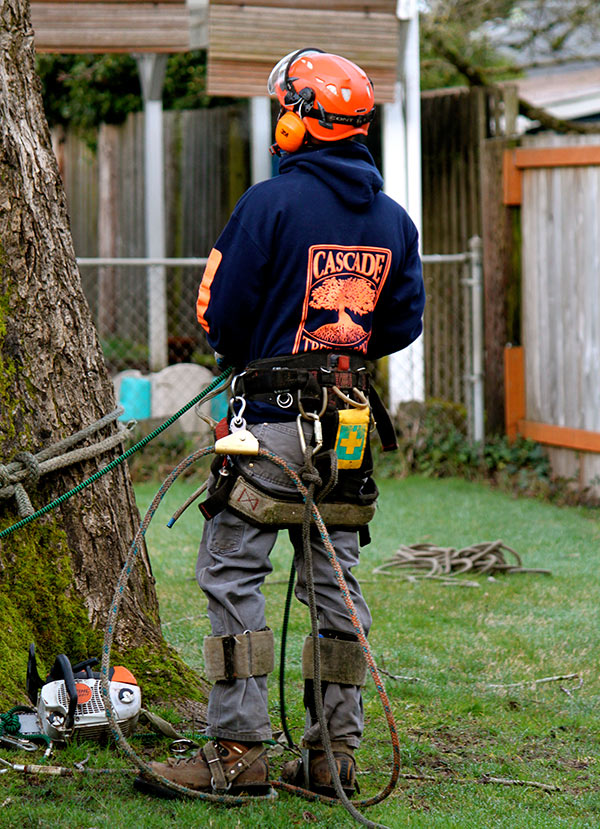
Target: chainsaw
69, 701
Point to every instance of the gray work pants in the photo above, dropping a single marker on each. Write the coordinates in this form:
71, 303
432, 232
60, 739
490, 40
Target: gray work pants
233, 562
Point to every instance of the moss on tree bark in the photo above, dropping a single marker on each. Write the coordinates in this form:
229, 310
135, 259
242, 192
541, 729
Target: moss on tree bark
57, 574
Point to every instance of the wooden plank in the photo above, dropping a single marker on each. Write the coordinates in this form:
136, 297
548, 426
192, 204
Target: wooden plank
368, 6
70, 27
107, 3
498, 249
574, 156
512, 180
514, 390
577, 439
241, 67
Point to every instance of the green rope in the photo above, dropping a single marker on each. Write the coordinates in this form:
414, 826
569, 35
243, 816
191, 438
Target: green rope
65, 496
10, 722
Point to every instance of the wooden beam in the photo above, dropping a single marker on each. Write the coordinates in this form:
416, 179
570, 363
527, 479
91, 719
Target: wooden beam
563, 436
368, 6
74, 27
498, 251
529, 158
580, 155
240, 67
514, 390
512, 180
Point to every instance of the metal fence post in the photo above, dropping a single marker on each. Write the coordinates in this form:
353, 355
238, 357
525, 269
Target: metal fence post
475, 282
152, 72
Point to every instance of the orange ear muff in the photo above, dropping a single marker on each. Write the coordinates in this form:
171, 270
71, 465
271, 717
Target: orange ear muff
290, 132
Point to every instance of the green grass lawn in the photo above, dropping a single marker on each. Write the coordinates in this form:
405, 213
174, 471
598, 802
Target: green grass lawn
455, 729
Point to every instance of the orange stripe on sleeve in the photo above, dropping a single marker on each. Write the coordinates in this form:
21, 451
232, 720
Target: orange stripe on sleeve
214, 260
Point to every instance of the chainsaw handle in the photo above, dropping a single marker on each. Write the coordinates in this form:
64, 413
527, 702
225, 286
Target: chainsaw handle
85, 666
64, 666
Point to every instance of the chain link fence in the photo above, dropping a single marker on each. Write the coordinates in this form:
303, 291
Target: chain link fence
158, 356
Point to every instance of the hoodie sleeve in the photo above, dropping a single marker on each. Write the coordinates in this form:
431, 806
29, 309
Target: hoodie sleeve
398, 315
230, 291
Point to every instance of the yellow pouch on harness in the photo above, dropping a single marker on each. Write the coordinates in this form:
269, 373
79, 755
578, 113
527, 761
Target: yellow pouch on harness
351, 438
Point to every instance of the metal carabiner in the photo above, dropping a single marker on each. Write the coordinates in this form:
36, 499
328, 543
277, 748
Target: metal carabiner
317, 432
237, 422
312, 415
234, 383
362, 400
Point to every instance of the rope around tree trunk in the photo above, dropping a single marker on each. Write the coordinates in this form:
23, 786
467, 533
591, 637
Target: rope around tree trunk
27, 468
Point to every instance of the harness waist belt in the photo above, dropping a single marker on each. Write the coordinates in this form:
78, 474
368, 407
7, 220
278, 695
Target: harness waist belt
259, 508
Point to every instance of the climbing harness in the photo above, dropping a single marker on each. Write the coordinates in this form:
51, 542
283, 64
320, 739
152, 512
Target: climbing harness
240, 441
312, 513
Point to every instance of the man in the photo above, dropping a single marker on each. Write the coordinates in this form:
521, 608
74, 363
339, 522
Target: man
316, 271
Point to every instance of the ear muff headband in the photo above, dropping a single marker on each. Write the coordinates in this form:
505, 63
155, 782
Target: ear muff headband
290, 132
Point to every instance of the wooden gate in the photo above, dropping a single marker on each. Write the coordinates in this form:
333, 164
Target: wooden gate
556, 180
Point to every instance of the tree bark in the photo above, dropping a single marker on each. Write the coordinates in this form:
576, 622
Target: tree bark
57, 575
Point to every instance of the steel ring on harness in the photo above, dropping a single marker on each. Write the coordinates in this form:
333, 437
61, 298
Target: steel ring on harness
284, 400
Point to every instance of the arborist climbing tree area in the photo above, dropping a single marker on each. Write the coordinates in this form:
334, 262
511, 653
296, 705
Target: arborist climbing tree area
316, 272
58, 572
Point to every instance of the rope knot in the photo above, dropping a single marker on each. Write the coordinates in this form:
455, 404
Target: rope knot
31, 464
5, 476
309, 475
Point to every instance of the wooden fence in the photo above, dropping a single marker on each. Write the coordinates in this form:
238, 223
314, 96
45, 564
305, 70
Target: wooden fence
206, 170
556, 181
457, 127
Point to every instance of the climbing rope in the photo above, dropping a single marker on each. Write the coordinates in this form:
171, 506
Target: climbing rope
311, 477
446, 563
28, 468
225, 799
205, 394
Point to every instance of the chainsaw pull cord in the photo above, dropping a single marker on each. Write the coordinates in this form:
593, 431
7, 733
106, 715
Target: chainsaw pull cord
118, 735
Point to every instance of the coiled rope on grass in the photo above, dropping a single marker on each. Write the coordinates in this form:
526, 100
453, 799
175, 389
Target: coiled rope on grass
446, 563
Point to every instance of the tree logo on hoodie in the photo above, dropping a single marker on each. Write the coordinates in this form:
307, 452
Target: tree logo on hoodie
342, 288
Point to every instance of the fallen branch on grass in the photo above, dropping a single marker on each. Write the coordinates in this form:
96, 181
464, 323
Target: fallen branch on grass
509, 781
531, 682
399, 677
484, 779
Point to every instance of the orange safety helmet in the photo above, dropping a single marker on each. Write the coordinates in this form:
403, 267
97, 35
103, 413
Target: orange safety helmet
325, 95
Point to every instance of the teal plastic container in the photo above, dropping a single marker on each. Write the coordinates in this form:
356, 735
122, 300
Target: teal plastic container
135, 395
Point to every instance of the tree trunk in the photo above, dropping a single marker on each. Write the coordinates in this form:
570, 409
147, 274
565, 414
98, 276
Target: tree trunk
57, 574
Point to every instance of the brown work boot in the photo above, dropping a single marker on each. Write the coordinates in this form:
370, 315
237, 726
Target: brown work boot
319, 775
221, 766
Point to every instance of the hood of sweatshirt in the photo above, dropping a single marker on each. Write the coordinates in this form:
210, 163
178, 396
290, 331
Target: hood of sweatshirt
347, 168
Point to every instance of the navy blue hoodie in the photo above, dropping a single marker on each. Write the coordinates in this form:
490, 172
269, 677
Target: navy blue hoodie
315, 258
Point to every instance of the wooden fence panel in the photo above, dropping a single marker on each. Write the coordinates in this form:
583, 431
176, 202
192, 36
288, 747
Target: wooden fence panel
451, 123
561, 298
205, 173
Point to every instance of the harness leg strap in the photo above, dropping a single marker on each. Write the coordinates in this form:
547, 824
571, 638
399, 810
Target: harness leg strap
342, 661
239, 656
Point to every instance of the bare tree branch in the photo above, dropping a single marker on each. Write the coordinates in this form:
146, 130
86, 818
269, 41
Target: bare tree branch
478, 77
